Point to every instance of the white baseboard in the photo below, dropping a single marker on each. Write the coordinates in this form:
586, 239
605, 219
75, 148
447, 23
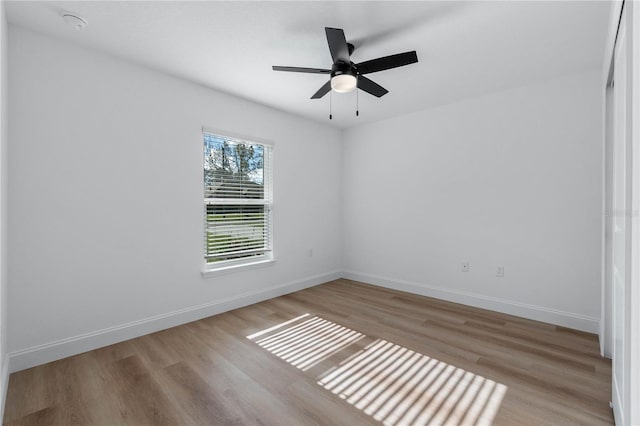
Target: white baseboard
59, 349
63, 348
537, 313
4, 385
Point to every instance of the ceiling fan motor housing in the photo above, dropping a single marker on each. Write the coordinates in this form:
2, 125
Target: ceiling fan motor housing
340, 68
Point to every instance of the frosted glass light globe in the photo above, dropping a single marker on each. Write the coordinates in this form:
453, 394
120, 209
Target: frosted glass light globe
343, 83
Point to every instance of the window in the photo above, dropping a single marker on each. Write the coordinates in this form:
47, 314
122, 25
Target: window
237, 201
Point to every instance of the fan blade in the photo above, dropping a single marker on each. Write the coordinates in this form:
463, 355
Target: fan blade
337, 45
299, 69
322, 91
371, 87
387, 62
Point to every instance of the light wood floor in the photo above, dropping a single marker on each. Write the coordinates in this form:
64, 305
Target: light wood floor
342, 353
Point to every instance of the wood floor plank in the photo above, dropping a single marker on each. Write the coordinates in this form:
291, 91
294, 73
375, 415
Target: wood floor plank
342, 353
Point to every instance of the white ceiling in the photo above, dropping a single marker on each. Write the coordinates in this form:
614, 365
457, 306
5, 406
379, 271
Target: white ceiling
465, 49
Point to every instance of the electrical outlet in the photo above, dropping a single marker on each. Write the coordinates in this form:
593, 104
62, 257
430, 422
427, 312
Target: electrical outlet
499, 271
465, 266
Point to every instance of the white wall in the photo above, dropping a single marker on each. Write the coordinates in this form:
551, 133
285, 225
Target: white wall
512, 179
105, 200
4, 378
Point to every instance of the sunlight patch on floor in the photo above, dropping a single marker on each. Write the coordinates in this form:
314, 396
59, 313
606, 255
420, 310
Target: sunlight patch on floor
391, 383
398, 386
305, 344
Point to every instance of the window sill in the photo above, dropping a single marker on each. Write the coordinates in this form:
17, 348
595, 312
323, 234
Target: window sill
208, 273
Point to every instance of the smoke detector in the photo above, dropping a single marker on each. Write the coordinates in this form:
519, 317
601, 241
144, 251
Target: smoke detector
74, 21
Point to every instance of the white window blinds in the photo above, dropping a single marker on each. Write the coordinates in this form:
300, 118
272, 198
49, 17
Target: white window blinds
237, 200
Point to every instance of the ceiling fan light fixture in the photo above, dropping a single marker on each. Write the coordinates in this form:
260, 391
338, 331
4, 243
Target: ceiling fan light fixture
343, 83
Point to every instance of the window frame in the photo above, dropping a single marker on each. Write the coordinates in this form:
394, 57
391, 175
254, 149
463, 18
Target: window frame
233, 265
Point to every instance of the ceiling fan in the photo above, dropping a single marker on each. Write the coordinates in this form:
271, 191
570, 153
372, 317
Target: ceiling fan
346, 75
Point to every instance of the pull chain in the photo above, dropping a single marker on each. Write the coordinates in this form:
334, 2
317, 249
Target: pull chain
330, 105
357, 103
